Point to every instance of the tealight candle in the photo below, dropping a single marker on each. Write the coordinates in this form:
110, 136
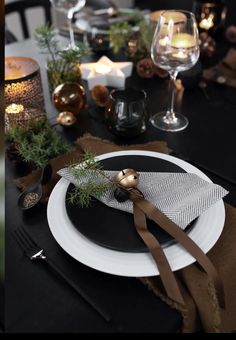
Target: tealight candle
180, 55
182, 40
102, 68
106, 72
180, 44
164, 41
207, 23
16, 115
14, 108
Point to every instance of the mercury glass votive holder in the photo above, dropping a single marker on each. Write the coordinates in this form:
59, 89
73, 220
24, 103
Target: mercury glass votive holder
16, 115
23, 84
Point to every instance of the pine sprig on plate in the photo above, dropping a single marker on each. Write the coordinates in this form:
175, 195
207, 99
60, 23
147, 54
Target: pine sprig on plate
89, 170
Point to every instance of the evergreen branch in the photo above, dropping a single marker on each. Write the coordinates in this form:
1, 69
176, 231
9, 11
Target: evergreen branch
90, 170
62, 63
38, 144
121, 33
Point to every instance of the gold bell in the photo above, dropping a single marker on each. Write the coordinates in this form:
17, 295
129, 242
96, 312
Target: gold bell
66, 118
128, 178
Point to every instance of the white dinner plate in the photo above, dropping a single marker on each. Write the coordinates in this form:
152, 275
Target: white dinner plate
205, 233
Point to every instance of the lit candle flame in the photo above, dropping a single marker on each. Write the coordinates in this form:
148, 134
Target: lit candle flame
14, 108
164, 41
102, 68
180, 55
207, 23
182, 40
181, 43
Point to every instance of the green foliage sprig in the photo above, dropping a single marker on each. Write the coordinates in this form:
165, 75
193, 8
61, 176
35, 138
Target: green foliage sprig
121, 33
62, 64
38, 144
90, 169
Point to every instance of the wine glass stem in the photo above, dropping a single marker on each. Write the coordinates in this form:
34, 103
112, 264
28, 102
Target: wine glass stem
170, 114
72, 38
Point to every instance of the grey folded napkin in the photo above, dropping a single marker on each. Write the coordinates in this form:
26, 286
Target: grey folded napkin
180, 196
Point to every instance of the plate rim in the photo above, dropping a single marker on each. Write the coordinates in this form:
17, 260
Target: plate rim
122, 263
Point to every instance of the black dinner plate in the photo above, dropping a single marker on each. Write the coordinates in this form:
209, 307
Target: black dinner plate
112, 228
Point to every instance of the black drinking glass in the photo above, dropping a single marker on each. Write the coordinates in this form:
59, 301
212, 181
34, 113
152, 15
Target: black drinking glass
126, 113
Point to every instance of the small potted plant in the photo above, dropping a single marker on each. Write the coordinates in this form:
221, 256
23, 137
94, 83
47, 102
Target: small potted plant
63, 65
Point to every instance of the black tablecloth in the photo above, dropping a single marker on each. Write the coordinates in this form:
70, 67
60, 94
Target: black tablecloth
35, 299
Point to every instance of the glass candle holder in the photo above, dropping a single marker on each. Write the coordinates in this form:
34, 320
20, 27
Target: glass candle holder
210, 15
23, 83
98, 40
24, 101
16, 115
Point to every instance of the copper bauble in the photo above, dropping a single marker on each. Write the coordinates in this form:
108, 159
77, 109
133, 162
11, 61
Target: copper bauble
128, 178
69, 97
66, 118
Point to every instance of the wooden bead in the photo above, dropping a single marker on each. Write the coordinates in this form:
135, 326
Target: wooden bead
121, 195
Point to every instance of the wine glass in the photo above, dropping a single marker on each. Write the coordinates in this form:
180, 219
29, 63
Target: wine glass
175, 48
70, 7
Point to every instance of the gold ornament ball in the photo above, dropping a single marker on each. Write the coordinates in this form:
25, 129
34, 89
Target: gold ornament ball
69, 97
66, 118
128, 178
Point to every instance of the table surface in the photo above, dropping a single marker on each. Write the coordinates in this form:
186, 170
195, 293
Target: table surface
35, 299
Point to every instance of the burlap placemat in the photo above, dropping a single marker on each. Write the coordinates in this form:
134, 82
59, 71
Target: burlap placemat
225, 71
203, 311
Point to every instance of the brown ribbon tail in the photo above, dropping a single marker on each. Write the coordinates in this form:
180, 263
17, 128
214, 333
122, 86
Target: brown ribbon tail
172, 229
168, 279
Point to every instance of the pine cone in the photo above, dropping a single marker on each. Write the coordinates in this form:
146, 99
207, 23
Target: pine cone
100, 95
230, 34
146, 68
207, 45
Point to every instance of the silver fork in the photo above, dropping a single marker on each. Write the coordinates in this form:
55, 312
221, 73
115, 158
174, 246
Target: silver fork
35, 252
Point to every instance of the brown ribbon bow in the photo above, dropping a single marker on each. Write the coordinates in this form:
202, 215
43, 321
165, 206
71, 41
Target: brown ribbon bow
142, 209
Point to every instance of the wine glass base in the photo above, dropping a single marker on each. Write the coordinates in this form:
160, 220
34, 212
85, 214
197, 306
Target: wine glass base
163, 122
